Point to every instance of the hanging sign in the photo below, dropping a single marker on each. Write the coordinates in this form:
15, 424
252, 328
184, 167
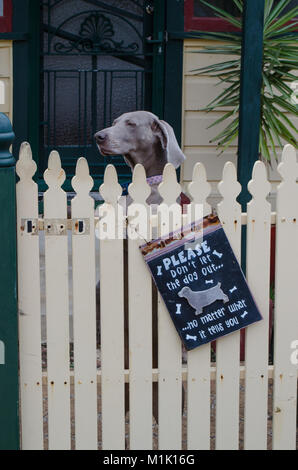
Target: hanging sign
201, 282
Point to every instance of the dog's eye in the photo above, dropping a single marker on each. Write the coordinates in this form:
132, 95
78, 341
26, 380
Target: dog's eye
131, 123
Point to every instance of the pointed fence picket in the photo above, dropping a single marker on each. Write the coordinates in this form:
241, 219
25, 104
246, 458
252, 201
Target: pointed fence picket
112, 316
285, 314
228, 347
169, 345
140, 316
84, 309
57, 305
199, 373
256, 339
29, 303
198, 360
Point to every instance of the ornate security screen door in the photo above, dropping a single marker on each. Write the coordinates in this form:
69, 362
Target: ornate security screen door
96, 64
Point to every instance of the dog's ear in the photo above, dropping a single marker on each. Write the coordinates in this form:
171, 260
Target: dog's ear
160, 130
175, 154
169, 142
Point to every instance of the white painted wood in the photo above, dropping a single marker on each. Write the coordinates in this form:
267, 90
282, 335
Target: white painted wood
209, 88
256, 336
5, 59
112, 317
84, 310
57, 309
285, 314
169, 344
140, 316
198, 360
6, 77
199, 188
197, 130
228, 347
170, 373
29, 305
213, 163
194, 60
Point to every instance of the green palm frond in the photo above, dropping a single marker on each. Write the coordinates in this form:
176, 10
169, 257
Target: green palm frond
280, 61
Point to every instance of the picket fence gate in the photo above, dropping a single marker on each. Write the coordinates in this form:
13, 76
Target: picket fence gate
46, 394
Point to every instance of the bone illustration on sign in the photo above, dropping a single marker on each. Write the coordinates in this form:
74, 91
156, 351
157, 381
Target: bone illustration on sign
233, 289
209, 282
219, 255
178, 309
194, 338
200, 299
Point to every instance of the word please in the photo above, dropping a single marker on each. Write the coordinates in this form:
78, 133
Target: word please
184, 257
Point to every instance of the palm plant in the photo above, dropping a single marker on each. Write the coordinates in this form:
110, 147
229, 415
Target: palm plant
280, 60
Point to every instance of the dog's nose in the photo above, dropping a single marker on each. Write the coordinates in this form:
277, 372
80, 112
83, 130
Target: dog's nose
100, 137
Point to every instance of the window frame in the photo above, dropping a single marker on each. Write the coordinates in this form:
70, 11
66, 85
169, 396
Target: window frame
6, 19
210, 24
205, 23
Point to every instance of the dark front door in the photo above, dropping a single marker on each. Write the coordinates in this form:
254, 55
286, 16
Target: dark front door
97, 62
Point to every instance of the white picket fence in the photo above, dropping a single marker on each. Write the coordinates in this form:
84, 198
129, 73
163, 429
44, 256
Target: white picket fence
48, 417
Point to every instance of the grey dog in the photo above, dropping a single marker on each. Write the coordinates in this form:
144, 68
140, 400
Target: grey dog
141, 138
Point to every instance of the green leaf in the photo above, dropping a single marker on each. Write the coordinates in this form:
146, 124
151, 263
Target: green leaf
282, 130
281, 86
228, 77
223, 14
230, 128
275, 12
280, 60
263, 145
289, 27
275, 129
217, 36
291, 108
239, 5
226, 93
281, 22
288, 38
268, 133
228, 141
286, 119
267, 9
267, 83
219, 67
222, 118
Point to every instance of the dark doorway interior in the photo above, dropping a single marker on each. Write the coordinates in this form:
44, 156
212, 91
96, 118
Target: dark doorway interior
96, 64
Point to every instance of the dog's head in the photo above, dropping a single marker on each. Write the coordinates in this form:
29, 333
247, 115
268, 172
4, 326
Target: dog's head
141, 138
184, 291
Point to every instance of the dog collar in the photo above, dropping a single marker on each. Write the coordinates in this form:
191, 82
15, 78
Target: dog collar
154, 180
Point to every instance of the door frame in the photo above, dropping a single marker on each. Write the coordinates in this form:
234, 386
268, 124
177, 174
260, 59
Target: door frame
166, 82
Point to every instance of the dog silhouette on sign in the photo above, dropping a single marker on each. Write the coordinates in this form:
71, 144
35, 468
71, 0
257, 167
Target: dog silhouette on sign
200, 299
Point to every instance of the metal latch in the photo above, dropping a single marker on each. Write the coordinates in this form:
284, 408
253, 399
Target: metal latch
162, 36
81, 226
29, 226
